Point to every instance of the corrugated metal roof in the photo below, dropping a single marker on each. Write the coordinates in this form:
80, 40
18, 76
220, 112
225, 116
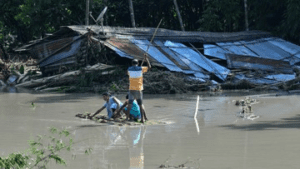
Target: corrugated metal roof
215, 51
236, 48
47, 49
165, 34
265, 49
255, 80
125, 48
291, 48
73, 49
118, 51
269, 79
268, 48
193, 68
171, 55
282, 77
250, 62
198, 59
156, 54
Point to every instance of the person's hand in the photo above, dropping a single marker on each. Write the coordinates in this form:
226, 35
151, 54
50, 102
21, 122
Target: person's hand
145, 56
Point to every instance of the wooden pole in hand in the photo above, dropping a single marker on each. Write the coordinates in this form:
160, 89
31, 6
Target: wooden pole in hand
145, 54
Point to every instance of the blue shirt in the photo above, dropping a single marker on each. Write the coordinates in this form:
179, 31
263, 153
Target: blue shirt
135, 109
111, 104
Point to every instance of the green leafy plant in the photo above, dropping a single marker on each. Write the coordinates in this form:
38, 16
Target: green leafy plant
42, 150
21, 70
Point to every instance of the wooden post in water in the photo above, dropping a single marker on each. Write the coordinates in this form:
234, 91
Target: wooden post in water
196, 111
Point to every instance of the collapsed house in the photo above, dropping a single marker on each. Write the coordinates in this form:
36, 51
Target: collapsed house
253, 55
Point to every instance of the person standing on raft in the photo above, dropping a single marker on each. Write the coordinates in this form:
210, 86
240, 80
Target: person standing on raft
135, 74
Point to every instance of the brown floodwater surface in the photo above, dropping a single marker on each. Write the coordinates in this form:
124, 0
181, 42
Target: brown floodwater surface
218, 138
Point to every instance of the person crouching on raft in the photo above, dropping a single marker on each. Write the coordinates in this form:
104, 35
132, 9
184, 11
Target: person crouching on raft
134, 113
135, 73
111, 104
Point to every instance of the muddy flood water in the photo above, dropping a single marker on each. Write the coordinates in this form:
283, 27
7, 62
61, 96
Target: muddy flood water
218, 139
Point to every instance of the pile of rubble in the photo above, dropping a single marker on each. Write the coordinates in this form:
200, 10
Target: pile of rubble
240, 60
246, 108
17, 70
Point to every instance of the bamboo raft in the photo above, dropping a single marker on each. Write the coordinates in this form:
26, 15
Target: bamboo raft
120, 121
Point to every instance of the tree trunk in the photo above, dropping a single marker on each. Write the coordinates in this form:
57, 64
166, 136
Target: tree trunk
131, 13
5, 56
179, 16
246, 15
87, 11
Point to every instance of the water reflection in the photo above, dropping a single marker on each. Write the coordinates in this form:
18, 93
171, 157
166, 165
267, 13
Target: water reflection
114, 147
197, 126
136, 152
133, 139
8, 89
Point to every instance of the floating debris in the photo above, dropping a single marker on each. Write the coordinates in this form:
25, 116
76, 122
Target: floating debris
246, 106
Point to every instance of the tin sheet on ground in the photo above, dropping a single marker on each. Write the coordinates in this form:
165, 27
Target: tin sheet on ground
156, 54
255, 63
198, 59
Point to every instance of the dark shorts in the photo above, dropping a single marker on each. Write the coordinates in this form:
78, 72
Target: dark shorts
135, 94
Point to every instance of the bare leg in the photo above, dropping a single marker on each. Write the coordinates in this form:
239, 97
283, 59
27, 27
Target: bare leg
144, 112
128, 111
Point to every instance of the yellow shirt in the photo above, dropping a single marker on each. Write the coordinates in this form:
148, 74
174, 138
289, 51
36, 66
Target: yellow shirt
136, 77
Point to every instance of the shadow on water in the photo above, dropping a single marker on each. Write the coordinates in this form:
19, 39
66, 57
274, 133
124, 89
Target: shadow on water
284, 123
204, 109
54, 98
9, 89
90, 126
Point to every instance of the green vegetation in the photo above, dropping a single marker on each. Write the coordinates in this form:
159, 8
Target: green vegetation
32, 19
21, 70
42, 150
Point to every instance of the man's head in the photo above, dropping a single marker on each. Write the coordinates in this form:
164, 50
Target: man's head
135, 62
127, 97
106, 96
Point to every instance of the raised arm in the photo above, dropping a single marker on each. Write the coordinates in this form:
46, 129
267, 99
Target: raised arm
148, 63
